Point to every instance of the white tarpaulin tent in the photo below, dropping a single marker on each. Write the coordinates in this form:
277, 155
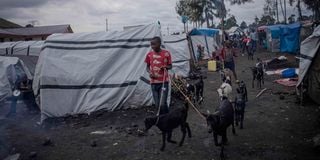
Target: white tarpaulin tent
234, 30
309, 66
10, 69
86, 72
178, 46
27, 51
25, 48
208, 38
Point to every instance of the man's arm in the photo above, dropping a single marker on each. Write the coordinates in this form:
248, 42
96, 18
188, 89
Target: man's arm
148, 68
169, 63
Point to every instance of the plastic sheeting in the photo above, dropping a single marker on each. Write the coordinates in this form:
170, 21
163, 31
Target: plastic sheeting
310, 65
283, 38
209, 43
309, 49
86, 72
26, 48
27, 51
178, 46
204, 32
10, 68
290, 38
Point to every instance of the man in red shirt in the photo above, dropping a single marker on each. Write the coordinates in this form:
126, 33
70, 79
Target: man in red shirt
158, 63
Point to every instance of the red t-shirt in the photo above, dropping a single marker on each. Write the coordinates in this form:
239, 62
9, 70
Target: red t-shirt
157, 60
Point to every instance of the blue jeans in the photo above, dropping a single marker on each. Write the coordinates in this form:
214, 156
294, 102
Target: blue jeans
254, 46
156, 93
13, 106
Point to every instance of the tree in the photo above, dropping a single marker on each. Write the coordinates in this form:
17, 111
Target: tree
239, 1
292, 18
266, 20
314, 5
243, 25
256, 20
230, 22
298, 5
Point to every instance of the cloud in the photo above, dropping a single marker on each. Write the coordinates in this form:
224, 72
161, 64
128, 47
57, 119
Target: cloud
21, 4
90, 16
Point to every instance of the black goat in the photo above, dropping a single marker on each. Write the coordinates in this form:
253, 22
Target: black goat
257, 73
240, 103
195, 90
220, 121
169, 121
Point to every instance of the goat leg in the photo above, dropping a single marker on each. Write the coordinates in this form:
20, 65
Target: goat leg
224, 137
169, 138
222, 157
253, 82
233, 129
163, 141
183, 130
188, 129
241, 120
215, 139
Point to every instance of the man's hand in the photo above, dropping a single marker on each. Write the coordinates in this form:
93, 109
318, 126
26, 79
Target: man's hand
152, 75
163, 67
167, 67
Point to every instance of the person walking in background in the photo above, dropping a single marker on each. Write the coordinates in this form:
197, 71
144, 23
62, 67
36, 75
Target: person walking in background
253, 41
228, 56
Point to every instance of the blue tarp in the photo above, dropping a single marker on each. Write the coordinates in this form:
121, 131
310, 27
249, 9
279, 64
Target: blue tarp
204, 31
289, 73
275, 30
289, 36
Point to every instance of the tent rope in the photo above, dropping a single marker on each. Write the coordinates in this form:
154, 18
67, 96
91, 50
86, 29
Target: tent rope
161, 94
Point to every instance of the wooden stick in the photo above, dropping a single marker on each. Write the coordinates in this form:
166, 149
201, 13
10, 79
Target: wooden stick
195, 108
260, 93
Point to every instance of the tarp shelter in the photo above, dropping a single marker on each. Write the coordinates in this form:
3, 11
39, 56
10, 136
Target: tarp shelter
235, 30
290, 38
178, 46
27, 51
273, 38
86, 72
283, 38
209, 38
10, 69
309, 67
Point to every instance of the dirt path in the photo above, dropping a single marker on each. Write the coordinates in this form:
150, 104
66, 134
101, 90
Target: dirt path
273, 129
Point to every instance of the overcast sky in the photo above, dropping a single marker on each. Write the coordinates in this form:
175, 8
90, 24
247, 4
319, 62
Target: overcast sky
90, 15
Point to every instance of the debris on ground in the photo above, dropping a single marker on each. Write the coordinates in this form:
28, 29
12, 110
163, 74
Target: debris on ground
98, 132
33, 155
281, 97
316, 141
47, 142
93, 143
13, 157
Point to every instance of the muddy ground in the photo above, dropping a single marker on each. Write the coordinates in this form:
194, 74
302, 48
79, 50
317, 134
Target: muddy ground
274, 129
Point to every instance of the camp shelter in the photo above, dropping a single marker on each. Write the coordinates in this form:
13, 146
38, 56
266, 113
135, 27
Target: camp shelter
273, 38
235, 30
290, 38
283, 38
86, 72
208, 38
27, 51
178, 47
309, 67
11, 68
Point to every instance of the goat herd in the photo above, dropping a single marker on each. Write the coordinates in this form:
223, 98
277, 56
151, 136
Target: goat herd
225, 115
